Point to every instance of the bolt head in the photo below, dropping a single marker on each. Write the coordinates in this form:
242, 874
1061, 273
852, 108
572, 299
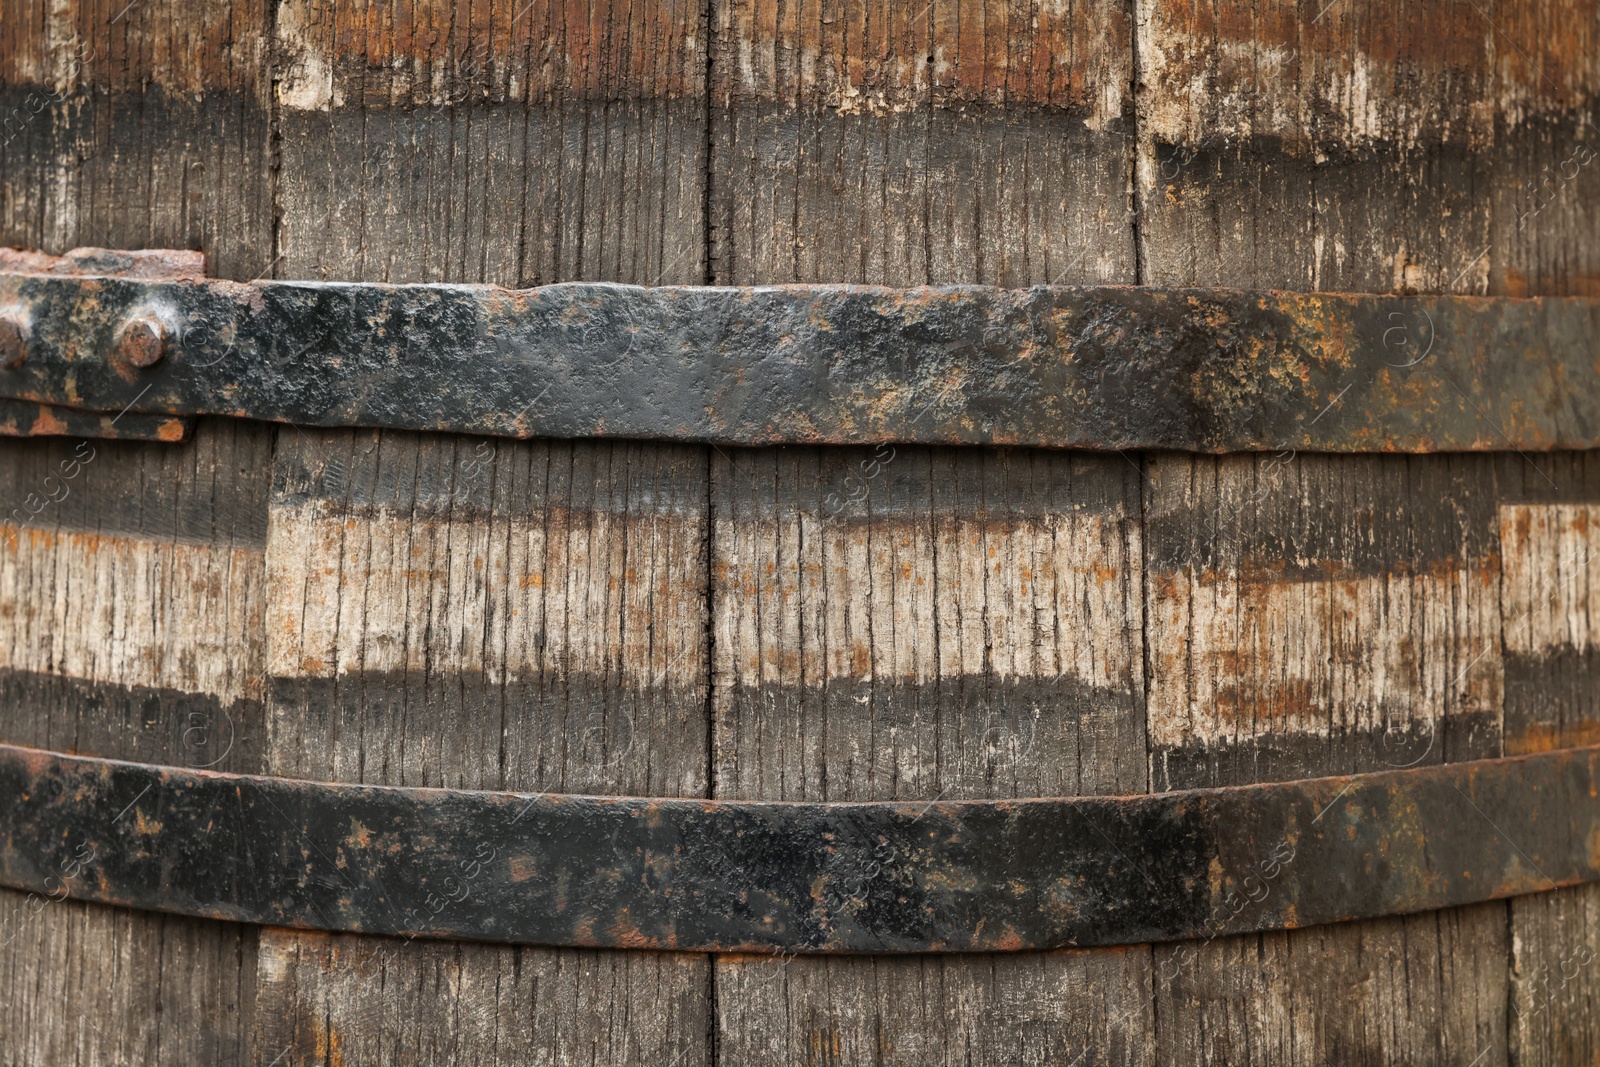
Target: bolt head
140, 342
13, 342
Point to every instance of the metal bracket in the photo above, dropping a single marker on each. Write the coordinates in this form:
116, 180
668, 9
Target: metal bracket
703, 875
22, 416
124, 344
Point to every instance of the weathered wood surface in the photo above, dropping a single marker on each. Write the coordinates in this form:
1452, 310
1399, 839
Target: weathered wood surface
143, 125
1550, 599
915, 143
1364, 612
913, 617
475, 613
1320, 616
130, 612
130, 627
901, 623
516, 142
1350, 145
912, 623
511, 616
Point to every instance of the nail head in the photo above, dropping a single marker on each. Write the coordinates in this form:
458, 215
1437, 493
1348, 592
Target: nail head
141, 342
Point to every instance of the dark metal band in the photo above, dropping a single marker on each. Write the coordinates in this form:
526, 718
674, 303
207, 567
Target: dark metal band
1209, 370
771, 877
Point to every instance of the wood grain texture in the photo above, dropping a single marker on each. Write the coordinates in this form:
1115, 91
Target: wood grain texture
1547, 205
509, 194
1549, 523
130, 627
1069, 1008
906, 623
1320, 615
518, 144
1312, 615
135, 603
963, 624
895, 650
436, 53
1418, 989
360, 1000
1555, 940
474, 613
1358, 146
485, 615
141, 125
470, 614
132, 607
1545, 183
1550, 536
903, 146
96, 985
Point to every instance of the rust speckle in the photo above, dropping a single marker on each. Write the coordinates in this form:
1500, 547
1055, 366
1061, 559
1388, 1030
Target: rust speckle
47, 424
1536, 737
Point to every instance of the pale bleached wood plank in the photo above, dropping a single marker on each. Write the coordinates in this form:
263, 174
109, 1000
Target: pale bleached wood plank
519, 615
906, 623
1313, 615
130, 628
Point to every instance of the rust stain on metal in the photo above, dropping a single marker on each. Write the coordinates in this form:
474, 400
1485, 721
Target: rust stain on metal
1107, 367
697, 875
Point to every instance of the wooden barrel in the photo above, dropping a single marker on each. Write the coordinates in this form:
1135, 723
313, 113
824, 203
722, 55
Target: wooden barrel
871, 622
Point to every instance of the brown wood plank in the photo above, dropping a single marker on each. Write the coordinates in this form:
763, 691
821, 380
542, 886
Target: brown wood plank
358, 1000
131, 627
1544, 166
1302, 612
517, 143
1548, 523
1069, 1008
1313, 615
469, 614
99, 985
1546, 219
1351, 145
1550, 540
488, 614
907, 623
1417, 989
1555, 1016
868, 644
1547, 209
133, 606
138, 126
942, 633
485, 615
928, 143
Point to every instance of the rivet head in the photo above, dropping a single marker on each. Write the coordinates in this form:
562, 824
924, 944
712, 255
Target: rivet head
140, 342
13, 339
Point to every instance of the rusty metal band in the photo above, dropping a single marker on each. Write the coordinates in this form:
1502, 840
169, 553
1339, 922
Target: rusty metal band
1209, 370
706, 875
